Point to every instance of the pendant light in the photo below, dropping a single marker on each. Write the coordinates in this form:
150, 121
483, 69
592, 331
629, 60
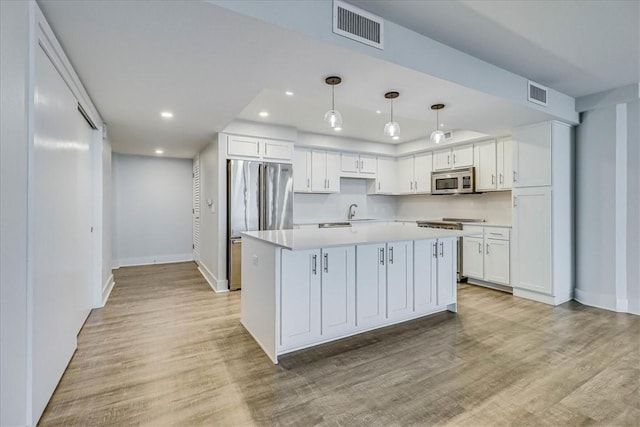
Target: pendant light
392, 128
333, 117
437, 136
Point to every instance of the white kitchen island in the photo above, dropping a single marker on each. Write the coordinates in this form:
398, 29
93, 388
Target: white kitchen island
305, 287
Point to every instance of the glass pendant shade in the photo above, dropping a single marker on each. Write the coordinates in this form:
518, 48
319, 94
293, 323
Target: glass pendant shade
392, 129
333, 118
437, 136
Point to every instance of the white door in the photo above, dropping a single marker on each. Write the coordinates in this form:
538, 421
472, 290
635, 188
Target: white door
243, 146
300, 297
333, 172
319, 171
386, 175
532, 239
371, 284
425, 275
367, 164
446, 271
441, 160
338, 290
486, 174
349, 162
301, 171
505, 164
423, 166
196, 208
405, 183
532, 156
399, 279
462, 156
496, 261
473, 257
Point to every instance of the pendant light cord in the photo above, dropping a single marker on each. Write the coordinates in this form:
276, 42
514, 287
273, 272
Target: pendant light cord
392, 110
333, 102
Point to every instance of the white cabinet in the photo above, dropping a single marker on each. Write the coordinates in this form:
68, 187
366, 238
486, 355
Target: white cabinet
301, 171
371, 284
259, 148
486, 257
453, 158
385, 182
486, 166
317, 291
357, 165
446, 275
325, 172
399, 279
414, 174
532, 155
504, 163
425, 268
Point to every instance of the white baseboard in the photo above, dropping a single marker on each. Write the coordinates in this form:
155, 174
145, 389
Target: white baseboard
153, 259
216, 284
546, 299
608, 302
107, 287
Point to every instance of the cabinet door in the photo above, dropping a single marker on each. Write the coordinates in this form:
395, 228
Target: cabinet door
338, 290
406, 182
462, 156
399, 279
301, 171
425, 275
486, 174
442, 160
532, 156
473, 257
277, 150
446, 281
300, 298
496, 261
532, 239
333, 172
367, 164
386, 175
349, 162
423, 165
505, 164
243, 146
371, 284
318, 171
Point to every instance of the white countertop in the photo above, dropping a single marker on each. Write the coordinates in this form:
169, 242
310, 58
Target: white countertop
328, 237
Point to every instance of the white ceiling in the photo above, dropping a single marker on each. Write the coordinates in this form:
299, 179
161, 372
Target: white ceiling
209, 66
576, 47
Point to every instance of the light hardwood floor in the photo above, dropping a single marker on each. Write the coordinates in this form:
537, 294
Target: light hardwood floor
166, 350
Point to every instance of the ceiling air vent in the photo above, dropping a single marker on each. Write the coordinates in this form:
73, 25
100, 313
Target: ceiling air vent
448, 135
357, 24
537, 93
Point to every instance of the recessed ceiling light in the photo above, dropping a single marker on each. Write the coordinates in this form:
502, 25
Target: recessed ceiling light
441, 125
378, 112
159, 151
166, 114
288, 93
338, 129
395, 137
263, 114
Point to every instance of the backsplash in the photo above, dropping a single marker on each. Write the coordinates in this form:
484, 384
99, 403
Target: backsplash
326, 207
493, 206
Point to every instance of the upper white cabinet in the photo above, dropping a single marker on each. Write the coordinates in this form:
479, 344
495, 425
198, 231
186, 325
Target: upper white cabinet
414, 174
385, 182
301, 170
453, 158
486, 167
504, 163
325, 172
259, 148
532, 155
357, 165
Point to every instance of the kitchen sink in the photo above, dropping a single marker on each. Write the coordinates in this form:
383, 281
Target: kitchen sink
334, 224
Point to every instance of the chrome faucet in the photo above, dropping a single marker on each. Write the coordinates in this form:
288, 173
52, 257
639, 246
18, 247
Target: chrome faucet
352, 210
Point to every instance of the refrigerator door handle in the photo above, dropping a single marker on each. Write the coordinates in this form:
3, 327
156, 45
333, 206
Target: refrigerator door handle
261, 197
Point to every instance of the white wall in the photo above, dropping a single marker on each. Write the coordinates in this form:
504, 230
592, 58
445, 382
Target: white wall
332, 207
633, 215
493, 206
152, 210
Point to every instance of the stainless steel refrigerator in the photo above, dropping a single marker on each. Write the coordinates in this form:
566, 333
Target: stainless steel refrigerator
259, 197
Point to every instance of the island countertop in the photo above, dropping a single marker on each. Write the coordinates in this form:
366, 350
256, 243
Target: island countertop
299, 239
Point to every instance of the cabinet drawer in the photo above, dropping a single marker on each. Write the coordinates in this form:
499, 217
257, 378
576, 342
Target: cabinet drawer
497, 233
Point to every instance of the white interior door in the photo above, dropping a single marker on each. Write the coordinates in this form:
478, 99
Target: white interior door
196, 208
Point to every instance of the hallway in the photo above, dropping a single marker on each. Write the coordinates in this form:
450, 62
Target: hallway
166, 350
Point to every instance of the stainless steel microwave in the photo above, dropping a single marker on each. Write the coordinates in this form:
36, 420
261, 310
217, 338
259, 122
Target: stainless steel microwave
455, 181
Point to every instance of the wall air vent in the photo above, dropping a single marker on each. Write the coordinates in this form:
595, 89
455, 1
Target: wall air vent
448, 135
357, 24
537, 93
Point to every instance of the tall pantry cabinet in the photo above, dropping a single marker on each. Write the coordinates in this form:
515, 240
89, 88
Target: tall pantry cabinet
542, 212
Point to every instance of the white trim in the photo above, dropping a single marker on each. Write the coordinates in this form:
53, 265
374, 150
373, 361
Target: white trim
620, 209
272, 357
218, 286
490, 285
154, 259
546, 299
107, 287
593, 299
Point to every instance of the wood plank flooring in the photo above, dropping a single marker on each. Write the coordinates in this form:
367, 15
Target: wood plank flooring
166, 350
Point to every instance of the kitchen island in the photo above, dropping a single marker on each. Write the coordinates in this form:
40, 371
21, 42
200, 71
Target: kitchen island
305, 287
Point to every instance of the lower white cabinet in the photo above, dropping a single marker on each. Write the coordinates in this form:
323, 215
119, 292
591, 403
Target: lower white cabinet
371, 284
399, 279
446, 276
496, 261
338, 279
487, 257
425, 270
